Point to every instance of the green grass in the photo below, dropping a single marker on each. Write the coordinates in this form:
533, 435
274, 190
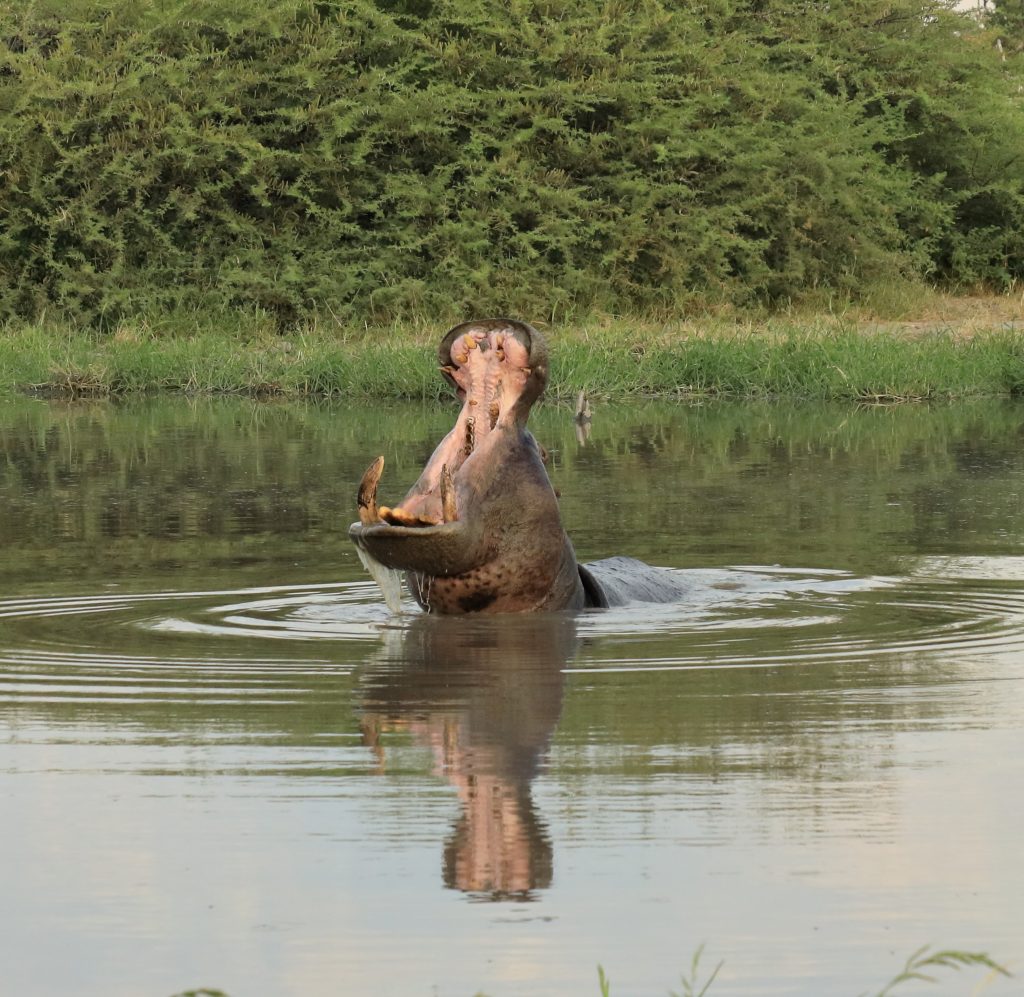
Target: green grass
691, 984
814, 359
798, 362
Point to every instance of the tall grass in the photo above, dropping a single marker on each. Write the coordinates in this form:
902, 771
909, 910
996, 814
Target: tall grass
797, 362
615, 360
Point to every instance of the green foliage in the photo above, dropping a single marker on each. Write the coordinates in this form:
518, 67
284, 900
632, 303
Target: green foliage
399, 158
690, 984
1007, 18
922, 962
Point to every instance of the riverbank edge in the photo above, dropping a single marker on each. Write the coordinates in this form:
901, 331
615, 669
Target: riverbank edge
615, 359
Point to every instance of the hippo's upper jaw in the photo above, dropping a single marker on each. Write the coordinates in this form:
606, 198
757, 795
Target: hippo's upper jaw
480, 530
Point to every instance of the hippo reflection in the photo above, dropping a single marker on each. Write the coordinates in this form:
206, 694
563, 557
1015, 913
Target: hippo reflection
485, 698
480, 530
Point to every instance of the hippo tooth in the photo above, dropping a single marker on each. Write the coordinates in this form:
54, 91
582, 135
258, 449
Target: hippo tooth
403, 517
366, 496
449, 512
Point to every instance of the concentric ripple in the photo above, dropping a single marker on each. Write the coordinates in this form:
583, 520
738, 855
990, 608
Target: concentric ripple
772, 617
189, 646
268, 643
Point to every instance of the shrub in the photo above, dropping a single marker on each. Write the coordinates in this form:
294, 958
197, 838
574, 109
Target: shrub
406, 157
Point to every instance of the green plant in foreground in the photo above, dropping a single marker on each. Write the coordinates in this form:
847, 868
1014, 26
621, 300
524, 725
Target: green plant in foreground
918, 966
690, 984
921, 961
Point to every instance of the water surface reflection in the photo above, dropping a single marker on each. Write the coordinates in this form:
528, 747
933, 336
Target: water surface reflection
484, 697
223, 763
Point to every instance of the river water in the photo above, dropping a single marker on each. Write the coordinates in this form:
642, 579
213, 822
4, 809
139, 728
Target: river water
225, 764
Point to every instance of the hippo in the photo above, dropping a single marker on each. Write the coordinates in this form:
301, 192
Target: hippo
480, 530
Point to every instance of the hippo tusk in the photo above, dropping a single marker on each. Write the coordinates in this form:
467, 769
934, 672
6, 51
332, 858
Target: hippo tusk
449, 512
366, 496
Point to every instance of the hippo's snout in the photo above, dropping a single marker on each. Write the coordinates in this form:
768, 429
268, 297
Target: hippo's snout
510, 339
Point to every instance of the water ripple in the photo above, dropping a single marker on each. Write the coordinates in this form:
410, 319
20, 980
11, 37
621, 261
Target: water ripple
183, 647
273, 642
758, 617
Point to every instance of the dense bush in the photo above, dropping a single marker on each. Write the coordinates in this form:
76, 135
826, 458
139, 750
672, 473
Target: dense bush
377, 160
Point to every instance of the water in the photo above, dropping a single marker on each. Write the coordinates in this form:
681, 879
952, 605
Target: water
224, 763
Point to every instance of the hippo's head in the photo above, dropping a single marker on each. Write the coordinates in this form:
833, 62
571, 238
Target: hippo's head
480, 529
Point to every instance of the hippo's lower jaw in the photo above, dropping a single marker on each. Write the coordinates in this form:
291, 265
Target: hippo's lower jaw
469, 565
445, 578
447, 549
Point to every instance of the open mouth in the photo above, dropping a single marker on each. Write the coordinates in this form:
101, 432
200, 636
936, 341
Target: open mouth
498, 368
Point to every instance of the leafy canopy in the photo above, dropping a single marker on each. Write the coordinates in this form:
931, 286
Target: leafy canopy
385, 159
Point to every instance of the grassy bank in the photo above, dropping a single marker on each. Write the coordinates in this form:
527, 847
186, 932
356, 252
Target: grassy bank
820, 358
